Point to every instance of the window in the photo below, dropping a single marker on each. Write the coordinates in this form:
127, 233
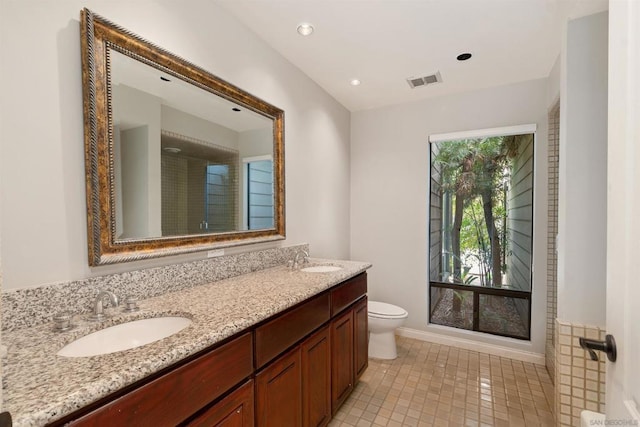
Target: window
481, 230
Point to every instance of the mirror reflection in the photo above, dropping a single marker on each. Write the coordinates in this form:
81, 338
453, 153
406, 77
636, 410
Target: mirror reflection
185, 161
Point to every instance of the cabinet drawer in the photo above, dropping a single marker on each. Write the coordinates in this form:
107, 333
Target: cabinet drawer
234, 410
177, 395
279, 334
347, 293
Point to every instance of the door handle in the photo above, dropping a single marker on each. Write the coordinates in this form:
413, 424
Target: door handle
607, 346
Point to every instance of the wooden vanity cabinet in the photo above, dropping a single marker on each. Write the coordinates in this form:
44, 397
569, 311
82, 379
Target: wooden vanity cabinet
294, 389
327, 362
175, 396
294, 369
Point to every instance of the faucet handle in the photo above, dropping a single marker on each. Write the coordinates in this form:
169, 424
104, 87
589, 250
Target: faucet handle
131, 305
62, 321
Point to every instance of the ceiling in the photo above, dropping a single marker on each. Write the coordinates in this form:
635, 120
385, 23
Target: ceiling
383, 42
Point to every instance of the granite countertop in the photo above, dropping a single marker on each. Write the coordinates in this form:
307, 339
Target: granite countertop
40, 387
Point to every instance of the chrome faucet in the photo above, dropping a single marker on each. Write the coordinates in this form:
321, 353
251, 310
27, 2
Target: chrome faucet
305, 258
98, 309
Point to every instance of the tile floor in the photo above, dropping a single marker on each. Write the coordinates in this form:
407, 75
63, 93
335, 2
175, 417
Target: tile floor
436, 385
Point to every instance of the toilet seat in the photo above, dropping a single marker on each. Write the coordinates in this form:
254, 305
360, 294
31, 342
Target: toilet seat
383, 310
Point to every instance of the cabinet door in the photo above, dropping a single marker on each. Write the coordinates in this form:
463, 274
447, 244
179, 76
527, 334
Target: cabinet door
341, 359
316, 379
361, 337
278, 390
235, 410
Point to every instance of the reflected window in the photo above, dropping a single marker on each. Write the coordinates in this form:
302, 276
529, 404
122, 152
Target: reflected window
481, 231
220, 213
259, 212
199, 185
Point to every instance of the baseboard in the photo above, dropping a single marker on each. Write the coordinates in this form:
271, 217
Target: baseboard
497, 350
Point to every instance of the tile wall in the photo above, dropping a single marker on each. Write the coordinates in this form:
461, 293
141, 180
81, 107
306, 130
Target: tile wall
552, 231
580, 382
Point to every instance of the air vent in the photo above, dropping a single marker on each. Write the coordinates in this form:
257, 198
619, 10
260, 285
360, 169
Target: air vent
415, 82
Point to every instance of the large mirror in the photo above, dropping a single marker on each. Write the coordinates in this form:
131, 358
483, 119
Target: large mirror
178, 160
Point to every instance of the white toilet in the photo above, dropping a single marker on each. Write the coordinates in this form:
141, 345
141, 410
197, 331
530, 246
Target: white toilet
383, 320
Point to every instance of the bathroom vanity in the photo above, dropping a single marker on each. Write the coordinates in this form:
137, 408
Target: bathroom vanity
292, 362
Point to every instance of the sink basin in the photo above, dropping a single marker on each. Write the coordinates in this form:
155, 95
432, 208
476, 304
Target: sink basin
124, 336
321, 269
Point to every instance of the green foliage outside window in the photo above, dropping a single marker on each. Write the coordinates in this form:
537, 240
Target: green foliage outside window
474, 177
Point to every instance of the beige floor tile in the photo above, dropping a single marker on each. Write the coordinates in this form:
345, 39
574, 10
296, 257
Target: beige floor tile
433, 385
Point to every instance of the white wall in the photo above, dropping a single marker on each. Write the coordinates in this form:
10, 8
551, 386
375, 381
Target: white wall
44, 215
553, 90
137, 184
139, 116
257, 142
389, 193
582, 193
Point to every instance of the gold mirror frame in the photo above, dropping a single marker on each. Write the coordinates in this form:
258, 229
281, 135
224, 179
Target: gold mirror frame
98, 36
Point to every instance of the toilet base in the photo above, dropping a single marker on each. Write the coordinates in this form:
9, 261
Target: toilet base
382, 345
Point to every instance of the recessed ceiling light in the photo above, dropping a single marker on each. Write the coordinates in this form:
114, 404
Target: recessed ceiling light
305, 29
355, 82
463, 56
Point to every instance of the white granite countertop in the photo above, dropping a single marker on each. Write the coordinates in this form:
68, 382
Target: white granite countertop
40, 387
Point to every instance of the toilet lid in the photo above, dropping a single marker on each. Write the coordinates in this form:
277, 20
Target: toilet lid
376, 308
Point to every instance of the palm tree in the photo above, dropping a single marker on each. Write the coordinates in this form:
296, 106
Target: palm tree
473, 168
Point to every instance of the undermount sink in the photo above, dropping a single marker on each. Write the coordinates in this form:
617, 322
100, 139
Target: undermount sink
124, 336
321, 269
